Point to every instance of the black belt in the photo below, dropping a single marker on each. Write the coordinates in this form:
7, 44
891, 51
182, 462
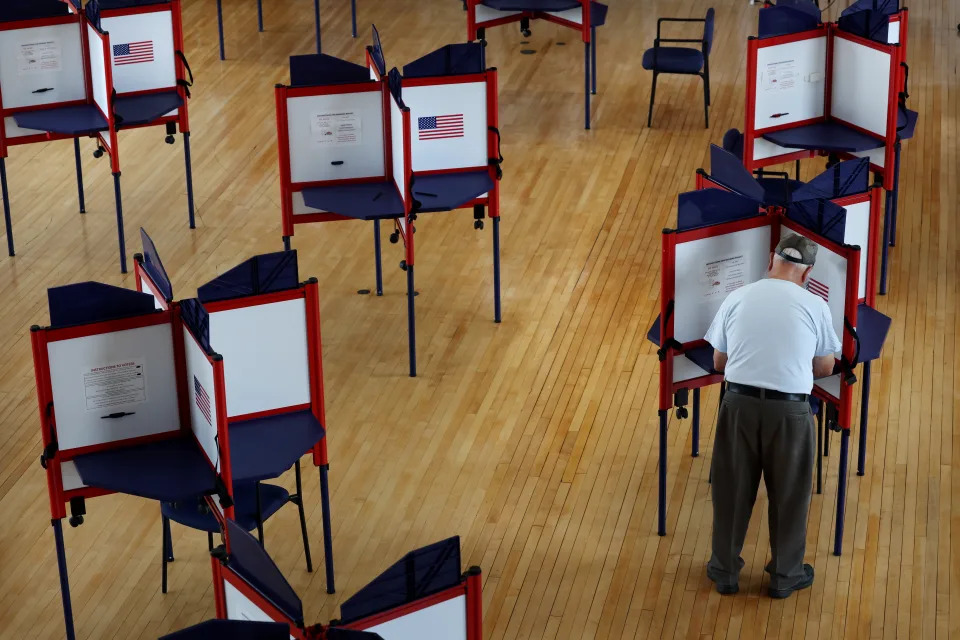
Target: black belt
769, 394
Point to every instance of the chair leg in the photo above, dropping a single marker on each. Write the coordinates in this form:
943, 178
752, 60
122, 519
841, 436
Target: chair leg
303, 519
706, 101
327, 529
164, 552
653, 95
6, 207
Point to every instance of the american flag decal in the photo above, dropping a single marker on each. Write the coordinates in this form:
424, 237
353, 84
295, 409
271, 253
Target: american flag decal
203, 400
818, 288
440, 127
133, 52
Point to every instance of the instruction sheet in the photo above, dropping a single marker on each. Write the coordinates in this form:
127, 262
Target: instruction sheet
721, 277
114, 385
343, 129
42, 55
780, 75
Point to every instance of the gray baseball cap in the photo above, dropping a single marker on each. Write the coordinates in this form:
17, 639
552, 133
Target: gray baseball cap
806, 247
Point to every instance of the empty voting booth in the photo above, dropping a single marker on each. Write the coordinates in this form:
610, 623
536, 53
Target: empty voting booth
273, 385
363, 143
70, 73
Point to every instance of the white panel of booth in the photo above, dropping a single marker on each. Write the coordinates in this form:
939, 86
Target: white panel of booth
98, 71
46, 59
686, 369
791, 82
876, 156
14, 131
342, 127
708, 270
240, 607
765, 149
857, 232
860, 85
396, 146
828, 279
486, 14
300, 207
893, 32
129, 371
203, 406
574, 15
264, 349
142, 51
444, 621
457, 139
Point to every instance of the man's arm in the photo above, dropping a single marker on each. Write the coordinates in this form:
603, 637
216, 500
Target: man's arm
822, 365
720, 360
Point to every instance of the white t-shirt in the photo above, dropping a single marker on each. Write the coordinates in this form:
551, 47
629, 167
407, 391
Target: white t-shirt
771, 330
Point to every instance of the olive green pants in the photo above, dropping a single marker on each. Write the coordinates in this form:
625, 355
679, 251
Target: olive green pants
775, 439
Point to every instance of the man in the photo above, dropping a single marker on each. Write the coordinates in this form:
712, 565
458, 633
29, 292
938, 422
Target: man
771, 339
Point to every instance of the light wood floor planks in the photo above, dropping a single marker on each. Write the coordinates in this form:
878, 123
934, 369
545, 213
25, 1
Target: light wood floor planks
534, 440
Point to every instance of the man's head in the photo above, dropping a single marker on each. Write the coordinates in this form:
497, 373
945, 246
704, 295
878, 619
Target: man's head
793, 259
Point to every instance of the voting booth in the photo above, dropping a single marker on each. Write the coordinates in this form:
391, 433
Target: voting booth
580, 15
423, 596
316, 21
724, 238
132, 400
266, 324
67, 73
361, 143
837, 89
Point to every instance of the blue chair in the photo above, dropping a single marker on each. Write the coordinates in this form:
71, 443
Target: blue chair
254, 503
682, 60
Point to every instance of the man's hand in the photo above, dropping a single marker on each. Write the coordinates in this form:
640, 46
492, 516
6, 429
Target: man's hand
719, 360
822, 366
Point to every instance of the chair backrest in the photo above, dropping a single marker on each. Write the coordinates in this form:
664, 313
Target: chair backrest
708, 30
733, 142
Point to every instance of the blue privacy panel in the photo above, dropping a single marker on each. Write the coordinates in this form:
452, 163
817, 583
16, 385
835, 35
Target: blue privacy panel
872, 328
842, 179
198, 320
820, 216
728, 170
250, 561
260, 274
232, 630
706, 207
319, 69
154, 266
453, 59
788, 16
420, 573
376, 52
262, 448
11, 10
86, 302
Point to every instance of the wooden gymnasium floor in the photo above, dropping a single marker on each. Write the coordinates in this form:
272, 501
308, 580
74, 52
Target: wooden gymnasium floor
534, 440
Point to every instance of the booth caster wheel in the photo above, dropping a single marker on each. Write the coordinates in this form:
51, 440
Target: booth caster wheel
682, 413
478, 224
403, 265
395, 237
169, 139
98, 152
75, 521
526, 33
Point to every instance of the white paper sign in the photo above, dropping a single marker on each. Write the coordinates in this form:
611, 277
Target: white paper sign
114, 385
44, 55
780, 76
721, 277
337, 129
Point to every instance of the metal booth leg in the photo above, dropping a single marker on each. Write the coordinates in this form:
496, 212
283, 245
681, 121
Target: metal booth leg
6, 207
286, 243
823, 409
841, 491
376, 256
220, 26
593, 59
496, 269
885, 245
76, 153
586, 83
260, 16
411, 322
353, 16
64, 580
327, 534
189, 163
303, 519
662, 477
316, 22
119, 202
864, 415
896, 196
695, 437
